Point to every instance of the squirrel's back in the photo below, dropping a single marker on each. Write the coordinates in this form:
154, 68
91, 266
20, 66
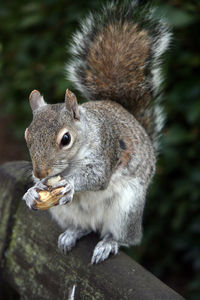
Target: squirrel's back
116, 56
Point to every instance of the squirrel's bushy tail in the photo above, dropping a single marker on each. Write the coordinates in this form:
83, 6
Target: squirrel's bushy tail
116, 56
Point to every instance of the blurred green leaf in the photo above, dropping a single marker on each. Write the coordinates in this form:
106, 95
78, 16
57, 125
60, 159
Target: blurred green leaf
175, 17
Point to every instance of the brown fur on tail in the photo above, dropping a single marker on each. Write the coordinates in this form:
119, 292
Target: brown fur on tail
117, 56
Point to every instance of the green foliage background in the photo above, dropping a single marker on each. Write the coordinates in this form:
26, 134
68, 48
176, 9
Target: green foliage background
33, 51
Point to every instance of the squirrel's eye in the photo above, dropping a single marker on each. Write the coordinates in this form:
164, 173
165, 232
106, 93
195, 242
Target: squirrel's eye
66, 139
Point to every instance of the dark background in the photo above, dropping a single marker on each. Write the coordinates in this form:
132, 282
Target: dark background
33, 52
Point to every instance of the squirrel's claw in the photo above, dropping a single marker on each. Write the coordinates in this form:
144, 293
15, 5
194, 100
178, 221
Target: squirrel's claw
68, 193
30, 196
103, 249
40, 185
60, 183
67, 240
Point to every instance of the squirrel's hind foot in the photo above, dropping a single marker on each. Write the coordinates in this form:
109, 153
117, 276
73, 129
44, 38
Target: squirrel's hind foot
104, 248
67, 240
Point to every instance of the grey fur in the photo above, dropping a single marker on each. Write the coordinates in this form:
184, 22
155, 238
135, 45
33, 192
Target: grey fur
83, 42
67, 240
32, 194
109, 164
104, 248
109, 180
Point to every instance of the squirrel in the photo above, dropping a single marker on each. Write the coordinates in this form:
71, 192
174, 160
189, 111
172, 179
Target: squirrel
104, 149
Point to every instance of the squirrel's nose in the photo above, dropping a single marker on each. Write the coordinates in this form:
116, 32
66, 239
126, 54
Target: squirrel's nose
41, 173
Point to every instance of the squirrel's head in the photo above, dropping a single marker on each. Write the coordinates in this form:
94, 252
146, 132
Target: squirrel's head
53, 135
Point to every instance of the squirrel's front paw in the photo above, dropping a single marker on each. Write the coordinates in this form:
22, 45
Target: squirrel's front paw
32, 194
67, 192
30, 197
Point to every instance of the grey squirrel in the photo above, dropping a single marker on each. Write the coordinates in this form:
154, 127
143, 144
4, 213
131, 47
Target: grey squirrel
104, 150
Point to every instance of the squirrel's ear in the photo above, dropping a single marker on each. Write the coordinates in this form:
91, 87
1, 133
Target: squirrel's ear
72, 104
36, 100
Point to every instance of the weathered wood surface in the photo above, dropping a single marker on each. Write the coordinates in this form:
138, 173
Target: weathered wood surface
32, 264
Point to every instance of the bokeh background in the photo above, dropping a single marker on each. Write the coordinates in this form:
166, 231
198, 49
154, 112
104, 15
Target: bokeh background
33, 52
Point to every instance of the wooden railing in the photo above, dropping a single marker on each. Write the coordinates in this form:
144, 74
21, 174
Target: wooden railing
35, 268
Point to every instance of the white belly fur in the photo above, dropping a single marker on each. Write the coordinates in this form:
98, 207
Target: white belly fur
103, 211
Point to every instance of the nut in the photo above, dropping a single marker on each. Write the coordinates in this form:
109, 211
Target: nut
49, 197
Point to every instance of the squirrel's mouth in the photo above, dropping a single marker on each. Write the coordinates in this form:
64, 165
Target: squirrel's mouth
37, 177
